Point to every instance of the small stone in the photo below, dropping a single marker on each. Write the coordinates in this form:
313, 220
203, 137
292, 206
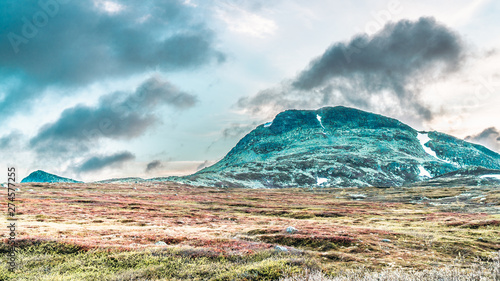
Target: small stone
357, 196
280, 248
386, 240
160, 243
291, 230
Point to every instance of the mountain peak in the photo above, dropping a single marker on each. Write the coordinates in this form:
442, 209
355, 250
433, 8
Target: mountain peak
42, 176
332, 118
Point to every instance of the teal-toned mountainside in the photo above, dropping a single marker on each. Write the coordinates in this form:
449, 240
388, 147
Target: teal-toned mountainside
41, 176
339, 147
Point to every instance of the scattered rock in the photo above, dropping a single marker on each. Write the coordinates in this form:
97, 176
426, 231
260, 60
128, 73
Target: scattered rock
280, 248
357, 196
160, 243
291, 230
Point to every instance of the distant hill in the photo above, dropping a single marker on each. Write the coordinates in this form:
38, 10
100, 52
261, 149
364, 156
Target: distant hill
122, 180
41, 176
340, 147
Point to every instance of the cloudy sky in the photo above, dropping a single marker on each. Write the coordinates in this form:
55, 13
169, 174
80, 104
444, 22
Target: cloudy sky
96, 89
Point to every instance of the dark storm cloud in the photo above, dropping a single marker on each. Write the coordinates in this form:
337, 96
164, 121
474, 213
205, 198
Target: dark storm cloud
117, 116
398, 60
10, 140
488, 133
489, 137
68, 44
153, 166
100, 162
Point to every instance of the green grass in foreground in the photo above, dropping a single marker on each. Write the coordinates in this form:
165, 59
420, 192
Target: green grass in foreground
46, 260
57, 261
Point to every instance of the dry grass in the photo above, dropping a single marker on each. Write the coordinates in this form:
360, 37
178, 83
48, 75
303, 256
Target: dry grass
486, 271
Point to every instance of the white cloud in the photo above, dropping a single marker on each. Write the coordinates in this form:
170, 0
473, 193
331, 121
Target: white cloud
467, 102
109, 7
190, 3
465, 14
242, 21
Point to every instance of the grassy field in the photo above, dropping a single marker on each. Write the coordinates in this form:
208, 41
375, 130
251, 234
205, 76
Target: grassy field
166, 231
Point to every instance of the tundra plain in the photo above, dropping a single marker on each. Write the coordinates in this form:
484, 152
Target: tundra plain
169, 231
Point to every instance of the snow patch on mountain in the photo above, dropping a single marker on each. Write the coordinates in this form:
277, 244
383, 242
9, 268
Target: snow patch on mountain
319, 120
321, 181
491, 176
423, 172
424, 138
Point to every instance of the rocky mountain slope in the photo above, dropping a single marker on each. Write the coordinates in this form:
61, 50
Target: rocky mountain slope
339, 147
41, 176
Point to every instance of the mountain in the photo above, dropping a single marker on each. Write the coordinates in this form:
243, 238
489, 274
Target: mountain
41, 176
122, 180
339, 147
